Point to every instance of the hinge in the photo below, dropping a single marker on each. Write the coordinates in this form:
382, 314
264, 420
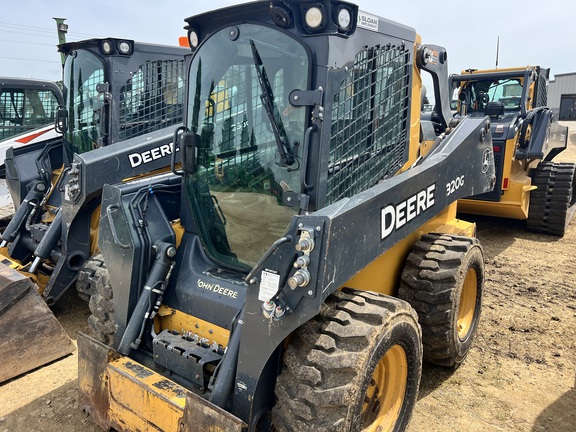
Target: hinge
309, 98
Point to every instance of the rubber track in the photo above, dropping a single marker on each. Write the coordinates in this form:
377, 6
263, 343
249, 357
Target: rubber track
550, 202
317, 386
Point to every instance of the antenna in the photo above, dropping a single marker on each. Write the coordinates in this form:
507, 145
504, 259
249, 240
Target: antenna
497, 50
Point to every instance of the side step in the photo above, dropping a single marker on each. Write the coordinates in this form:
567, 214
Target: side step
31, 334
120, 393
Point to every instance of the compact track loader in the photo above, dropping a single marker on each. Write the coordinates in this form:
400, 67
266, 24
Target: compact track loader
306, 258
526, 139
122, 100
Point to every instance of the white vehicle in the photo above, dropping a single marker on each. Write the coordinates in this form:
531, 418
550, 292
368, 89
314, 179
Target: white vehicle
31, 137
27, 112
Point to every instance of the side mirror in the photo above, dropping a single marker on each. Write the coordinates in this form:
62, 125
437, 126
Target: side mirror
188, 145
61, 124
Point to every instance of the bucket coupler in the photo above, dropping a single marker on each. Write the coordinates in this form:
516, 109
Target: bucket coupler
31, 334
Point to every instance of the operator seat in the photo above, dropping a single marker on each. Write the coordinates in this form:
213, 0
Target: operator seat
494, 109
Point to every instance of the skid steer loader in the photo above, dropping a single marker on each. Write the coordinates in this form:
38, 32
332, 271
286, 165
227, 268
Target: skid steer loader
122, 100
526, 138
27, 109
306, 258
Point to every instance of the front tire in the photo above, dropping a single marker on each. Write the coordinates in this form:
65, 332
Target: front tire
443, 281
85, 283
354, 367
102, 323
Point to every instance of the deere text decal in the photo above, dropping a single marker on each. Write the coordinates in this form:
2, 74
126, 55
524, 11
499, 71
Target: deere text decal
396, 216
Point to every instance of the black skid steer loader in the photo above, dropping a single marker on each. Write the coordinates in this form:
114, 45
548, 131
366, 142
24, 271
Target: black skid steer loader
307, 257
122, 100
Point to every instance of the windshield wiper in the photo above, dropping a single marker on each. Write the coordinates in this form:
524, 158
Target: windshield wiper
267, 97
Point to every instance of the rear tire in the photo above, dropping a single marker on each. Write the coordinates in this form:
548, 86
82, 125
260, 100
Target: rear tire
549, 203
102, 323
443, 280
355, 366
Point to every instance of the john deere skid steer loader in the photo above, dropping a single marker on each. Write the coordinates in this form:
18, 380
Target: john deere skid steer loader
122, 100
526, 138
307, 257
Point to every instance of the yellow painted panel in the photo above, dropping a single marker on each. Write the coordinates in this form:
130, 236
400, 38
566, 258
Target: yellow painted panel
142, 399
383, 274
173, 319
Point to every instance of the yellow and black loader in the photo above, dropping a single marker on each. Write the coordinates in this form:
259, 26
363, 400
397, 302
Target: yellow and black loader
122, 101
306, 258
526, 137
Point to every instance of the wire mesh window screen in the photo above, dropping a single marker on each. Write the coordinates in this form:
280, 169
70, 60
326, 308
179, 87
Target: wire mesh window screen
152, 98
369, 121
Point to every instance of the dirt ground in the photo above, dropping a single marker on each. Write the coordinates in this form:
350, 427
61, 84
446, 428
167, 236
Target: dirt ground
519, 376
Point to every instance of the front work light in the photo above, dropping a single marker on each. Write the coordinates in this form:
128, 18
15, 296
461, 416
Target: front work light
344, 19
193, 39
314, 17
124, 47
107, 47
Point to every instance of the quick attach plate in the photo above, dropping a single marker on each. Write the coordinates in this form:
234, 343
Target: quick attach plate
183, 356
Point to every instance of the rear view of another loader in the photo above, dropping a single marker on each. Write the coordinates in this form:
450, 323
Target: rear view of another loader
122, 101
530, 185
306, 258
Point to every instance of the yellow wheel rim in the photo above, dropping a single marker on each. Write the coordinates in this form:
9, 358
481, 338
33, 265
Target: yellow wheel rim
385, 392
467, 305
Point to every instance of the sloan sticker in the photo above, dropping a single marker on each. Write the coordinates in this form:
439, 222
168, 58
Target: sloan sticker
367, 21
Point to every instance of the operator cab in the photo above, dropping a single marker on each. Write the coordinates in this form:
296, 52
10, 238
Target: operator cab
499, 99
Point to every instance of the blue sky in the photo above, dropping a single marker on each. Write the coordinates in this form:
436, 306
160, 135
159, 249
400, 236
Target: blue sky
531, 32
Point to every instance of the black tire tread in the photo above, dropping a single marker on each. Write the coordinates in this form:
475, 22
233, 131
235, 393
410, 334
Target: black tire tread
321, 366
102, 323
432, 270
85, 283
554, 194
